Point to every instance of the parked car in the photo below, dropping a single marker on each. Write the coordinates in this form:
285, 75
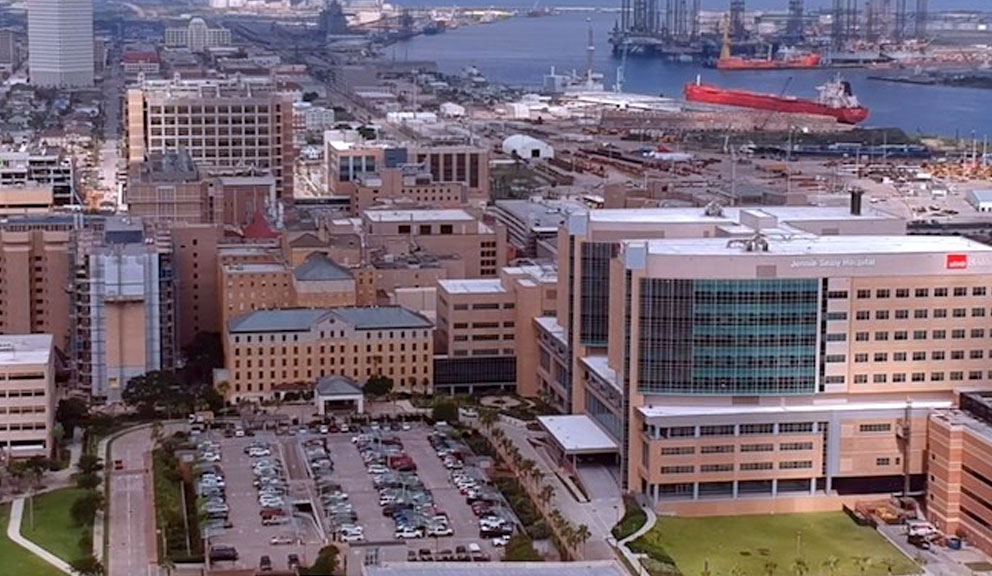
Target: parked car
265, 564
221, 553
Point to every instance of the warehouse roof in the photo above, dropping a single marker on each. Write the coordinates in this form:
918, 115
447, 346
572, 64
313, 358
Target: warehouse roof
379, 317
287, 320
318, 267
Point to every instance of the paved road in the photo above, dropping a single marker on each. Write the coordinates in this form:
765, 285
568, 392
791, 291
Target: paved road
109, 153
132, 528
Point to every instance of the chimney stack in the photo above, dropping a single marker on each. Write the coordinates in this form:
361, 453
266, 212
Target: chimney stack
856, 202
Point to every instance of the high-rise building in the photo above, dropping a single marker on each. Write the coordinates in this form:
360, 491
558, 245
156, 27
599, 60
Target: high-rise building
224, 124
124, 305
60, 43
27, 395
197, 36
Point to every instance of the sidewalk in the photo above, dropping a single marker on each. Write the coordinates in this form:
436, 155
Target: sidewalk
14, 533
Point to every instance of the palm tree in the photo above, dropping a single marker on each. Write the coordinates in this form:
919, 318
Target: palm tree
889, 564
831, 564
737, 571
167, 564
526, 467
537, 476
862, 563
770, 568
582, 534
800, 567
546, 494
488, 417
706, 568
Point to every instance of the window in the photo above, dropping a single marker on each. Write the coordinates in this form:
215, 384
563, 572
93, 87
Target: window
721, 449
834, 358
975, 375
836, 315
678, 469
710, 468
860, 378
978, 333
940, 312
936, 376
957, 376
679, 432
883, 461
919, 377
978, 291
861, 336
939, 334
862, 315
919, 355
900, 335
902, 314
899, 377
902, 293
861, 357
919, 334
882, 293
960, 291
677, 450
870, 428
757, 447
978, 312
922, 292
748, 466
881, 336
976, 354
879, 379
757, 429
898, 356
837, 337
719, 430
864, 293
959, 313
837, 294
940, 292
881, 315
881, 356
957, 333
795, 464
795, 427
937, 355
795, 446
957, 354
921, 313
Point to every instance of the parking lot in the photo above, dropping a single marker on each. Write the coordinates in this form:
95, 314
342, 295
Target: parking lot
384, 491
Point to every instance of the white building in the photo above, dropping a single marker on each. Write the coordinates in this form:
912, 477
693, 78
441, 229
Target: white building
197, 36
981, 200
60, 43
27, 395
523, 146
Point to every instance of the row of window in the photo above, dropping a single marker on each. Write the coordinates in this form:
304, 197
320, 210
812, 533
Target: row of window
900, 377
734, 429
883, 335
905, 292
20, 393
22, 410
486, 306
743, 467
730, 448
918, 314
23, 427
483, 325
917, 356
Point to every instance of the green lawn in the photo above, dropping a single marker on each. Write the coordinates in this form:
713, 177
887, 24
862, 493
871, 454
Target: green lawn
16, 561
53, 527
749, 545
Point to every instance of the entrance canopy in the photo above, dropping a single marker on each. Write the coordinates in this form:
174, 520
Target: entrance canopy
578, 434
338, 390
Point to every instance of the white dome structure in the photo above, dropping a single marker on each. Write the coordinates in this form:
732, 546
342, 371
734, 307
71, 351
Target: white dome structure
527, 147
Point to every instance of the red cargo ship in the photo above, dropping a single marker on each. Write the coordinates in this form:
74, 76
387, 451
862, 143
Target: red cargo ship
789, 62
835, 100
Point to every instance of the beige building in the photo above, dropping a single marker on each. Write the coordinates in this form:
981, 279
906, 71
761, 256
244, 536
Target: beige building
27, 395
407, 186
959, 481
34, 265
450, 232
223, 124
270, 352
485, 333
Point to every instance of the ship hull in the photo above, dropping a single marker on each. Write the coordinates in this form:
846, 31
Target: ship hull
803, 62
744, 99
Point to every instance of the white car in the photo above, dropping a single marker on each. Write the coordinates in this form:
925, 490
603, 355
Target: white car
352, 537
324, 429
378, 469
282, 540
474, 548
408, 533
501, 541
406, 426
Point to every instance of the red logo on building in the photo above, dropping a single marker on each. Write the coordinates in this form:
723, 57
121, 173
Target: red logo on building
957, 261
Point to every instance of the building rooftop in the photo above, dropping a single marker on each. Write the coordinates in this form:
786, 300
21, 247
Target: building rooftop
817, 406
733, 215
254, 268
381, 317
318, 267
818, 246
399, 216
603, 568
600, 365
25, 349
337, 386
170, 166
550, 324
286, 320
578, 434
473, 286
540, 214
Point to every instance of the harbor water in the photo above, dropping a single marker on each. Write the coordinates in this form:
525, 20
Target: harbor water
518, 51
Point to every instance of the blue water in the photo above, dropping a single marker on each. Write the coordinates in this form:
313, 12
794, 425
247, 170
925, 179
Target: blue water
518, 51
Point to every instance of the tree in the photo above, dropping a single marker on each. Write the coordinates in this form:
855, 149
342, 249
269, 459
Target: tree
737, 571
546, 494
582, 535
84, 508
158, 391
831, 564
310, 96
488, 418
89, 464
862, 563
800, 567
889, 565
520, 548
88, 566
326, 563
58, 434
378, 386
204, 353
87, 481
526, 467
444, 411
770, 568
